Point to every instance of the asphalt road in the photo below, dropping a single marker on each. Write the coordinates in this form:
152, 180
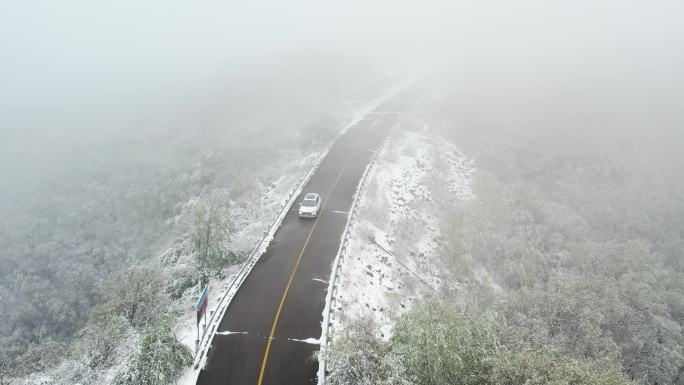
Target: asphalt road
281, 302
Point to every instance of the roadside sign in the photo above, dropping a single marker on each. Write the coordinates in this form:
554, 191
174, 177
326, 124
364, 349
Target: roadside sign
201, 306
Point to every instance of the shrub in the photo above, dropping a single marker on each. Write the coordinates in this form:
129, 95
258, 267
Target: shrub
436, 345
357, 357
160, 360
137, 295
536, 368
100, 339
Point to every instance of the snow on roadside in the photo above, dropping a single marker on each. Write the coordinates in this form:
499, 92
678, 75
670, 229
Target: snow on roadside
392, 260
253, 225
253, 221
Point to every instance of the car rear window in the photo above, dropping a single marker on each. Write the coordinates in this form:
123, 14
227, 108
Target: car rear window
309, 202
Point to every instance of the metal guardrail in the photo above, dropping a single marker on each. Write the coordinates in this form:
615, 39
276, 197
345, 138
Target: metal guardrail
329, 310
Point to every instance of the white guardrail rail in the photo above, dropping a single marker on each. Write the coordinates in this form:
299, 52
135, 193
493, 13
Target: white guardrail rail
329, 310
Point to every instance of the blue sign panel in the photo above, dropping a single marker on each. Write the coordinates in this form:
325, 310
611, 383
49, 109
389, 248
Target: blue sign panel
202, 302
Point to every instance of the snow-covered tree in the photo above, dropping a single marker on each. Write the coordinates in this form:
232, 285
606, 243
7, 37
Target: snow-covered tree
160, 360
357, 357
212, 232
137, 295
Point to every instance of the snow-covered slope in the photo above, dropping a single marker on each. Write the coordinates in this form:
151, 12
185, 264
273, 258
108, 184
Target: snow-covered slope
392, 260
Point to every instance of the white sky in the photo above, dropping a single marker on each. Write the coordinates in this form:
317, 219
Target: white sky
80, 71
56, 48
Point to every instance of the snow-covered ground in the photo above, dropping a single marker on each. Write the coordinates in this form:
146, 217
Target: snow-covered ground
393, 256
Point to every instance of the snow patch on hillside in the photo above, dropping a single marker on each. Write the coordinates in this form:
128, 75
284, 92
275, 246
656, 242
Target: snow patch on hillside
393, 257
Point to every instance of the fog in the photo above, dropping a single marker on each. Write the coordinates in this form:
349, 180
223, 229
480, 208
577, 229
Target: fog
83, 55
120, 119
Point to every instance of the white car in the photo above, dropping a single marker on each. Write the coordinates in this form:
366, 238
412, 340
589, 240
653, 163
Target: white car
310, 206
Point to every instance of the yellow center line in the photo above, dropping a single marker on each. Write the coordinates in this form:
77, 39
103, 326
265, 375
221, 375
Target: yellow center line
296, 266
282, 301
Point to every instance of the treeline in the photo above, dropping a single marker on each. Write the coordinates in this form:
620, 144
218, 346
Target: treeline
586, 237
582, 232
61, 259
437, 344
61, 249
155, 198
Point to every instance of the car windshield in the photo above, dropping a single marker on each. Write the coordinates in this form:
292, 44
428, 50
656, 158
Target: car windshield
309, 203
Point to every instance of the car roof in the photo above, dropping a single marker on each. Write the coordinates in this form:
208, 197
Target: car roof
311, 196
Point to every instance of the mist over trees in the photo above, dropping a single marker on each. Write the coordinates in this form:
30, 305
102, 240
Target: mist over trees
135, 139
577, 218
110, 193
